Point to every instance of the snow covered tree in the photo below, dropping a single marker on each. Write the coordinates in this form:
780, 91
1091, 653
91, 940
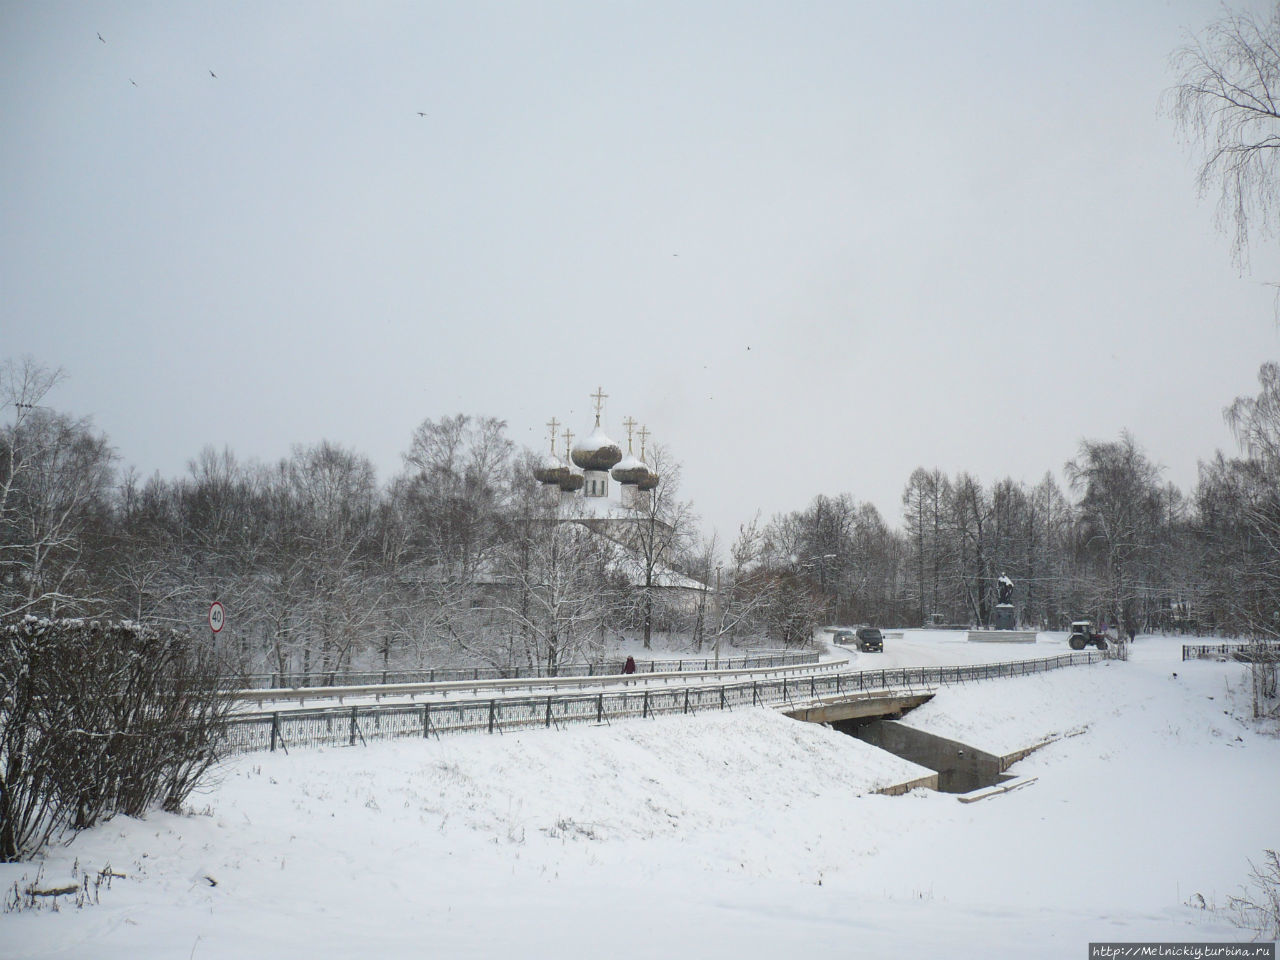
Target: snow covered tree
55, 479
659, 537
1239, 512
553, 593
1119, 521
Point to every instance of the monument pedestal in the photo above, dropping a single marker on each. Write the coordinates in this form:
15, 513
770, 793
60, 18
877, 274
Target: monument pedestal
1004, 618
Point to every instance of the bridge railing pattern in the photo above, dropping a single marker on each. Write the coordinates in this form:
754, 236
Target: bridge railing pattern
336, 726
1245, 652
344, 678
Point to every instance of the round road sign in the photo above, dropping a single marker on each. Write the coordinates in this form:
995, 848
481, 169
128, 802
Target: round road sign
216, 616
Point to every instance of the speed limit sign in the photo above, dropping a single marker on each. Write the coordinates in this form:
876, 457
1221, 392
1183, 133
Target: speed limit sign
217, 616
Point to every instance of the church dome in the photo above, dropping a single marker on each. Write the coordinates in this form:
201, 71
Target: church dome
649, 482
571, 482
631, 469
596, 451
550, 471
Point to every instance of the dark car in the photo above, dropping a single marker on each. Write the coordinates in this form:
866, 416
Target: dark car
870, 640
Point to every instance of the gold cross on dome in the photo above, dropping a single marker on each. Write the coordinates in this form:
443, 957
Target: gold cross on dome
644, 435
630, 424
552, 424
568, 439
600, 397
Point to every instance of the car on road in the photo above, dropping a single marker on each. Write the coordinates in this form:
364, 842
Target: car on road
866, 639
870, 640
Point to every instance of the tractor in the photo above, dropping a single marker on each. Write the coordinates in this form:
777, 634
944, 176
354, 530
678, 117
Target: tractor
1083, 635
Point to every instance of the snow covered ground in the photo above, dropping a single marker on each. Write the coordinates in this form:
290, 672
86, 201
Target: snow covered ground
729, 835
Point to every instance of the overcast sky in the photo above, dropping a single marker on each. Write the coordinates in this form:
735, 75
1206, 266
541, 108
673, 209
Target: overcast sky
811, 246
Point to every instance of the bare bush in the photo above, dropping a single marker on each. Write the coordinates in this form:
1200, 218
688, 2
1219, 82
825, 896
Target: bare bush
98, 719
1258, 909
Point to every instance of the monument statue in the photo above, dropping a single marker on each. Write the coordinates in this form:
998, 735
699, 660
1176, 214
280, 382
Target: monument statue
1005, 618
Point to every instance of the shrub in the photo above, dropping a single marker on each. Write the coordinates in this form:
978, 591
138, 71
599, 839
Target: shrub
98, 719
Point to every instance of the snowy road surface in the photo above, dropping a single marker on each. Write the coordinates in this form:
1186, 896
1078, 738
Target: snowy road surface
730, 835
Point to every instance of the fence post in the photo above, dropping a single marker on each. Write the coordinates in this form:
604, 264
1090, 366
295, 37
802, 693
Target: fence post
353, 726
493, 707
755, 697
686, 699
426, 720
644, 714
722, 698
275, 730
548, 711
599, 708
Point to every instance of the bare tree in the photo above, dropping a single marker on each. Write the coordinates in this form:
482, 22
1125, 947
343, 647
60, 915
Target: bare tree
55, 475
336, 492
659, 535
1255, 591
1119, 519
970, 511
922, 507
1225, 103
749, 598
554, 591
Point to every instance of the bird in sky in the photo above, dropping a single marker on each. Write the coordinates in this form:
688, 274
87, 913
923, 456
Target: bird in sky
133, 81
421, 114
100, 38
212, 74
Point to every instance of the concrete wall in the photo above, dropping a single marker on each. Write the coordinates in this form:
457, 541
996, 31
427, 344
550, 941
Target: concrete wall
960, 767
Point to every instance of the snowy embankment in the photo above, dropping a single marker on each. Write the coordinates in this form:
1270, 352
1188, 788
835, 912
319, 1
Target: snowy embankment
742, 834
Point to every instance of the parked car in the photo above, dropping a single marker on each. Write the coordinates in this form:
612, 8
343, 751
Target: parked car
870, 640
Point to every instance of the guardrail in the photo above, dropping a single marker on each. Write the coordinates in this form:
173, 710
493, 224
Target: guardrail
446, 687
337, 726
337, 678
1245, 652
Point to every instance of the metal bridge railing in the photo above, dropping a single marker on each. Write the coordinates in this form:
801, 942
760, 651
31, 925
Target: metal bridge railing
1245, 652
506, 687
336, 726
343, 678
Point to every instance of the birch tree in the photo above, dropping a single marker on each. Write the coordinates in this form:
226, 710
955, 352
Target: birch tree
55, 477
1225, 103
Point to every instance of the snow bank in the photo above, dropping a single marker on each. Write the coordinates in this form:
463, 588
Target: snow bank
729, 835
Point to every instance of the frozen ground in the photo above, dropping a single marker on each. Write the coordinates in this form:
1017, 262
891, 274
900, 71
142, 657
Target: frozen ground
730, 835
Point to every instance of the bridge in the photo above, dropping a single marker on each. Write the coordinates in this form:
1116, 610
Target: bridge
819, 693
